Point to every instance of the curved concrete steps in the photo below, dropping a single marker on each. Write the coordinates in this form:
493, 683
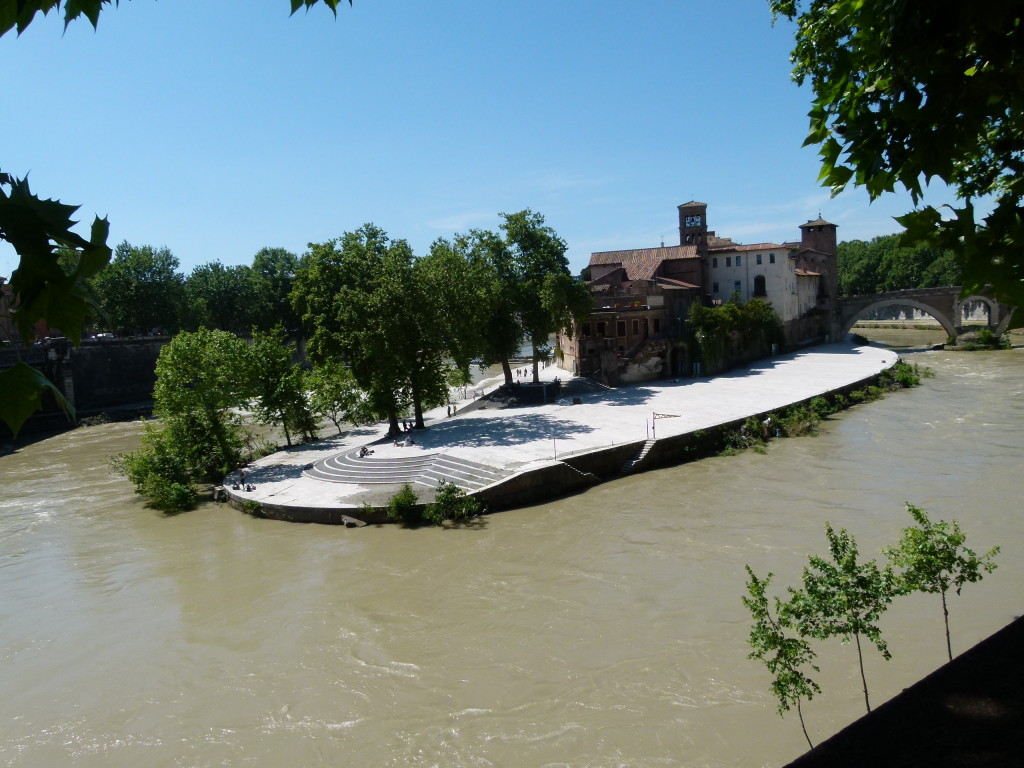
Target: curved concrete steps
424, 468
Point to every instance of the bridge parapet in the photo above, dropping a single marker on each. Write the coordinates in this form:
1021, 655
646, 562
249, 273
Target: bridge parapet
944, 304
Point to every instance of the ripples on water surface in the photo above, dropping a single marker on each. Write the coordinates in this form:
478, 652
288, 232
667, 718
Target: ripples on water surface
604, 629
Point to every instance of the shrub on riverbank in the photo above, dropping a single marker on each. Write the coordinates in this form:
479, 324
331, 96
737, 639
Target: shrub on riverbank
452, 503
402, 507
804, 418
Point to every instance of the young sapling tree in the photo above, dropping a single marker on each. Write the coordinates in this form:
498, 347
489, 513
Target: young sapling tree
844, 598
932, 558
783, 655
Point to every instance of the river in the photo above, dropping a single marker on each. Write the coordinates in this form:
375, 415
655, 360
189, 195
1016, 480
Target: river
603, 629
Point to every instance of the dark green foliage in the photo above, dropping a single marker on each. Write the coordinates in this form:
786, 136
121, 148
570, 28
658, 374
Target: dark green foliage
40, 233
229, 299
402, 507
910, 94
842, 597
140, 291
164, 469
201, 378
274, 272
451, 503
20, 13
796, 421
279, 386
933, 558
882, 265
901, 375
821, 407
252, 508
785, 656
734, 332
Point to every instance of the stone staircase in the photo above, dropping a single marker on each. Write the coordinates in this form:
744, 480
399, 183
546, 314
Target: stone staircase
632, 464
428, 469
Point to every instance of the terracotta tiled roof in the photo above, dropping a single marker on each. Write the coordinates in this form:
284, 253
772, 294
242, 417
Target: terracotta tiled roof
643, 263
818, 222
692, 202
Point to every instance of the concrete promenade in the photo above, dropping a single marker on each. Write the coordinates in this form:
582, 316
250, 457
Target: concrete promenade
485, 442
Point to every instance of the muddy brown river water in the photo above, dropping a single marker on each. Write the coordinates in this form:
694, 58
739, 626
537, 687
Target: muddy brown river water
603, 629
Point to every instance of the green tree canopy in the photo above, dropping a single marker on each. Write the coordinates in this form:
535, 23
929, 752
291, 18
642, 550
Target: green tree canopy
200, 378
141, 290
883, 264
907, 93
364, 299
547, 298
278, 385
274, 271
227, 298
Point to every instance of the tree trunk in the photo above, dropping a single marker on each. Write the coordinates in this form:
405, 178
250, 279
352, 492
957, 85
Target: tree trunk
945, 618
536, 368
393, 428
800, 714
507, 370
863, 678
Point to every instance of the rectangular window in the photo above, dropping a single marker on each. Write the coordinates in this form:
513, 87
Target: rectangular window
771, 258
657, 325
601, 329
714, 287
759, 259
620, 328
739, 261
714, 262
636, 327
728, 261
736, 286
586, 330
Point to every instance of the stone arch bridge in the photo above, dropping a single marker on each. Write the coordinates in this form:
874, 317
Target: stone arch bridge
944, 304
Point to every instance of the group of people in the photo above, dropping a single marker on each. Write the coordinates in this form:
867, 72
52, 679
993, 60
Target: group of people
364, 452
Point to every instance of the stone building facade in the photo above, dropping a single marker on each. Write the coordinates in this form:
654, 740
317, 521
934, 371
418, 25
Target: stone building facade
642, 297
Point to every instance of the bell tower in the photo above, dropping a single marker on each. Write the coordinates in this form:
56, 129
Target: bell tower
693, 225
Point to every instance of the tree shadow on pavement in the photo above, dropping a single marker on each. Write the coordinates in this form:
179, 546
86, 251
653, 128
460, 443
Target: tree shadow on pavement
505, 427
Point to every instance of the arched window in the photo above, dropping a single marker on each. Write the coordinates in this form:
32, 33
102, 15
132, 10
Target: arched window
759, 286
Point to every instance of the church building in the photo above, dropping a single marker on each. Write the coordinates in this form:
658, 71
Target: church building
642, 297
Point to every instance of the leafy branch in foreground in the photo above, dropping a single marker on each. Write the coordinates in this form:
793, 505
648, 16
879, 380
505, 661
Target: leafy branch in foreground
933, 559
39, 231
909, 93
784, 656
20, 13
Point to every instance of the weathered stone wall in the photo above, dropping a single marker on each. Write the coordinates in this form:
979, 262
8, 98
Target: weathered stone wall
99, 375
115, 372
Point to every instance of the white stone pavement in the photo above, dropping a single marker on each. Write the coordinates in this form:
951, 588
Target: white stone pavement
519, 438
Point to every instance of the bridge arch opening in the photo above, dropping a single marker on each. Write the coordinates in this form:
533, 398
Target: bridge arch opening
978, 310
900, 303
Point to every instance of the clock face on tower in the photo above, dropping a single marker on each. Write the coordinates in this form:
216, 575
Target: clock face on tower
692, 221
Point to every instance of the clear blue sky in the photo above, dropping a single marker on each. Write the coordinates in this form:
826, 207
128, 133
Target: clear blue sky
218, 127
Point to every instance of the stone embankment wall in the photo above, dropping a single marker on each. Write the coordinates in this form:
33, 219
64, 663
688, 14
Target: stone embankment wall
582, 470
100, 375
